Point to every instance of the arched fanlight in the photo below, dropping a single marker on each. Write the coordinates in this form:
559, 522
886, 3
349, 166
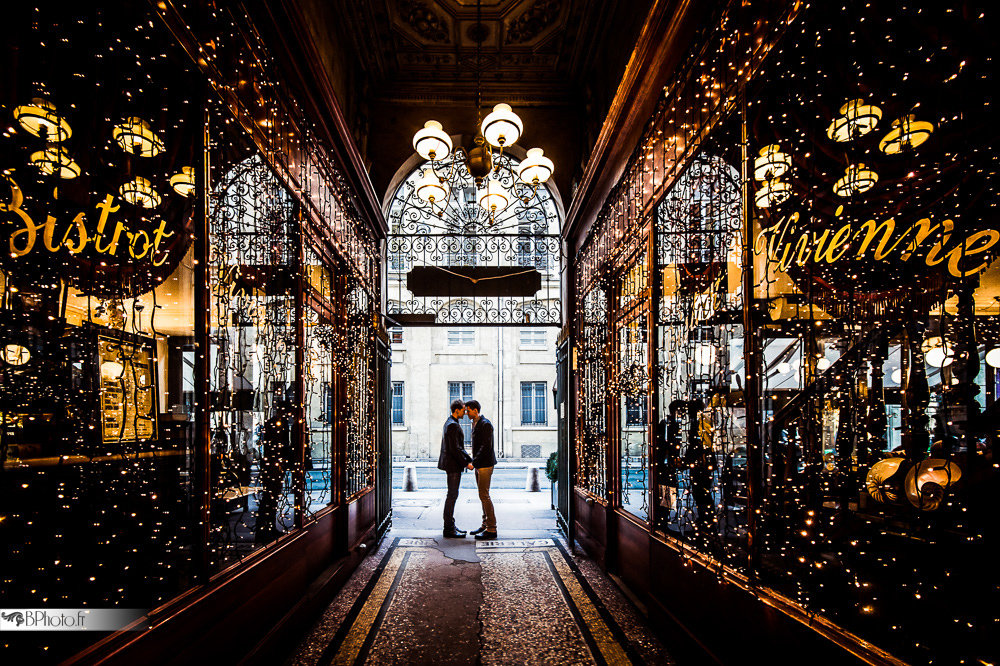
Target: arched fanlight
431, 142
16, 355
135, 136
140, 192
41, 119
856, 119
536, 168
55, 160
430, 188
493, 197
857, 179
906, 134
502, 127
771, 164
772, 194
183, 182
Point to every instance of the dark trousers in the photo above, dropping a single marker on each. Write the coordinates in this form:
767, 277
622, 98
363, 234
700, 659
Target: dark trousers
454, 479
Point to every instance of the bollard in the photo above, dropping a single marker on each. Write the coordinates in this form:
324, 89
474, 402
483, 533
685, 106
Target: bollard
531, 483
410, 478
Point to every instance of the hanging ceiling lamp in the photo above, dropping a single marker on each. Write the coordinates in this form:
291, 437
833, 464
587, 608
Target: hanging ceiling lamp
771, 164
41, 119
183, 182
857, 179
135, 136
856, 119
140, 192
772, 194
55, 160
906, 134
496, 180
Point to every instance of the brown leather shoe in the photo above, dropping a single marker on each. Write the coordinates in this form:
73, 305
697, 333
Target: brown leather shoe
486, 535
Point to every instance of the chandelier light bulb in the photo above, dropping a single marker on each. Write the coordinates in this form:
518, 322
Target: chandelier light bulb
856, 119
135, 136
906, 134
40, 119
140, 192
939, 358
536, 168
493, 197
771, 164
857, 179
430, 188
431, 142
502, 127
55, 160
183, 182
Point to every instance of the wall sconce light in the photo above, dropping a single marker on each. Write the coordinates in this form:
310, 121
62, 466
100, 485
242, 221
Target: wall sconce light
772, 194
140, 192
55, 160
857, 179
183, 182
16, 355
135, 136
906, 134
40, 118
856, 119
771, 164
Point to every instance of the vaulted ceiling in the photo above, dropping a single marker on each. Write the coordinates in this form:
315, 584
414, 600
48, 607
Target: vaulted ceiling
397, 63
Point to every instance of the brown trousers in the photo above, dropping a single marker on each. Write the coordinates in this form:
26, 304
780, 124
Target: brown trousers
483, 477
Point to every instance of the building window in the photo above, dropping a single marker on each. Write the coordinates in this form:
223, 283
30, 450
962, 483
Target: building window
635, 410
533, 403
396, 335
397, 403
462, 391
533, 337
463, 337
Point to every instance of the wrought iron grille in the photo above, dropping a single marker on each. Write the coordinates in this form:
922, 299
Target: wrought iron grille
591, 442
253, 241
458, 264
356, 364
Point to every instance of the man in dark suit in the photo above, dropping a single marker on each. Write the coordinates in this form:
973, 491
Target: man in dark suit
453, 460
484, 459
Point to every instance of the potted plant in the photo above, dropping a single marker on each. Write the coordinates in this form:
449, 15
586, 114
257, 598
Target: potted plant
551, 473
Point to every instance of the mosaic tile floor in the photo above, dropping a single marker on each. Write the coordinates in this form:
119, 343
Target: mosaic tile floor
423, 599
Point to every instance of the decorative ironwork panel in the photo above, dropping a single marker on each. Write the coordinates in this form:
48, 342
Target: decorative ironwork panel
320, 387
356, 361
592, 442
631, 387
458, 262
253, 248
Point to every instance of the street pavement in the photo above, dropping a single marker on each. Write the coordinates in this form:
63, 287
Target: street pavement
510, 476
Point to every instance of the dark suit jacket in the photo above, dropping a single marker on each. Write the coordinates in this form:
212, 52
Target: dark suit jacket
483, 454
453, 456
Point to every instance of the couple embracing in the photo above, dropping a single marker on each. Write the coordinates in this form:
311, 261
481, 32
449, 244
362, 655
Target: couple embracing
454, 460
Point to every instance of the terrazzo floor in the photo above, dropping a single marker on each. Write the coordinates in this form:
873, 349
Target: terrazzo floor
524, 598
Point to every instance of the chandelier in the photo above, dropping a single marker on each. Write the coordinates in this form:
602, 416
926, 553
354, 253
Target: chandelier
479, 183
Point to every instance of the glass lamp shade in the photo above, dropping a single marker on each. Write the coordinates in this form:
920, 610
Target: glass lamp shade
55, 160
705, 354
493, 197
857, 179
183, 182
906, 134
140, 192
431, 143
772, 194
16, 355
993, 357
430, 188
938, 357
135, 136
502, 127
771, 164
40, 118
535, 168
856, 119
